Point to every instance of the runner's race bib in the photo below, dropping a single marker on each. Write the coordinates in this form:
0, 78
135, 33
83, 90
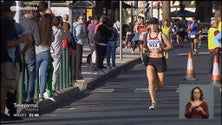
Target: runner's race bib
141, 36
154, 45
192, 36
181, 29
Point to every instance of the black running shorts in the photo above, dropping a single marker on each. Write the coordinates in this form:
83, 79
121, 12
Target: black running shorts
159, 64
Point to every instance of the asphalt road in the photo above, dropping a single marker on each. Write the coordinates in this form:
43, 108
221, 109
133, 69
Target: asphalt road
124, 100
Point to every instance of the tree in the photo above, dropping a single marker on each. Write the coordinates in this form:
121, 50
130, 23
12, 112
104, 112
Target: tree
182, 8
204, 10
217, 7
99, 8
166, 10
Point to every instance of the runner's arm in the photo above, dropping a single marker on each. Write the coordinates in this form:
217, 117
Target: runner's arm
168, 44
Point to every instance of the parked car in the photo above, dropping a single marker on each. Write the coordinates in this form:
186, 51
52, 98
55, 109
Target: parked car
205, 27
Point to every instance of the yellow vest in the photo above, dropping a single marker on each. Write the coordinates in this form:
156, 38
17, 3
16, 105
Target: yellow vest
220, 26
166, 31
211, 36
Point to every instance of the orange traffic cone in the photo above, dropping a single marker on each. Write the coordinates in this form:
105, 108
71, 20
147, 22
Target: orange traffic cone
190, 75
216, 77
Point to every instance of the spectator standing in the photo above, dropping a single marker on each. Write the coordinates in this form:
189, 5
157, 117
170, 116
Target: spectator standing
10, 59
43, 56
91, 28
102, 35
30, 55
117, 25
71, 46
89, 21
80, 37
212, 47
111, 46
56, 51
65, 18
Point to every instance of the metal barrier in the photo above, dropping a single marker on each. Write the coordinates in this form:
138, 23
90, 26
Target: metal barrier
65, 77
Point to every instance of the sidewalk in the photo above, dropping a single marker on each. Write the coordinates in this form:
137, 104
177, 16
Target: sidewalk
128, 61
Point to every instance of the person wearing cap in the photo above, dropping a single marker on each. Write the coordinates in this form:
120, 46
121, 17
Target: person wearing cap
156, 44
212, 47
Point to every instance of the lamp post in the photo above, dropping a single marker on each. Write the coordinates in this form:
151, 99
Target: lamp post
132, 20
120, 38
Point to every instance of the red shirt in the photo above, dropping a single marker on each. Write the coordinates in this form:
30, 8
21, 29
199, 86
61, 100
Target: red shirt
194, 114
97, 27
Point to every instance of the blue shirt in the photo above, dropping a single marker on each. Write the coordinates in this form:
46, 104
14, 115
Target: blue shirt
217, 39
194, 28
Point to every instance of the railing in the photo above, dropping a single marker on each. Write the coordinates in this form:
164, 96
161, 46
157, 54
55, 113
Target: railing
65, 76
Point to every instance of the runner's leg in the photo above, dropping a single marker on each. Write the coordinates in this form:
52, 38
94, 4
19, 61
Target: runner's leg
160, 80
150, 72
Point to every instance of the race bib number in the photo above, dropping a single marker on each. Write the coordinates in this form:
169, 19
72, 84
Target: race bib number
181, 29
154, 45
141, 37
192, 36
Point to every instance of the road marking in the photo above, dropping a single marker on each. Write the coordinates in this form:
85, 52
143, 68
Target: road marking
141, 90
200, 53
146, 89
107, 90
101, 90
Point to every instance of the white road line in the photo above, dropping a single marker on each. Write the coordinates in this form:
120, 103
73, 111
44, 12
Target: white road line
102, 90
141, 90
200, 53
146, 89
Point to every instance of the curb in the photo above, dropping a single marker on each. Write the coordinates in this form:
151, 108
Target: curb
68, 93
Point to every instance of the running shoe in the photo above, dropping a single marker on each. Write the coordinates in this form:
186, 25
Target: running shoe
152, 107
